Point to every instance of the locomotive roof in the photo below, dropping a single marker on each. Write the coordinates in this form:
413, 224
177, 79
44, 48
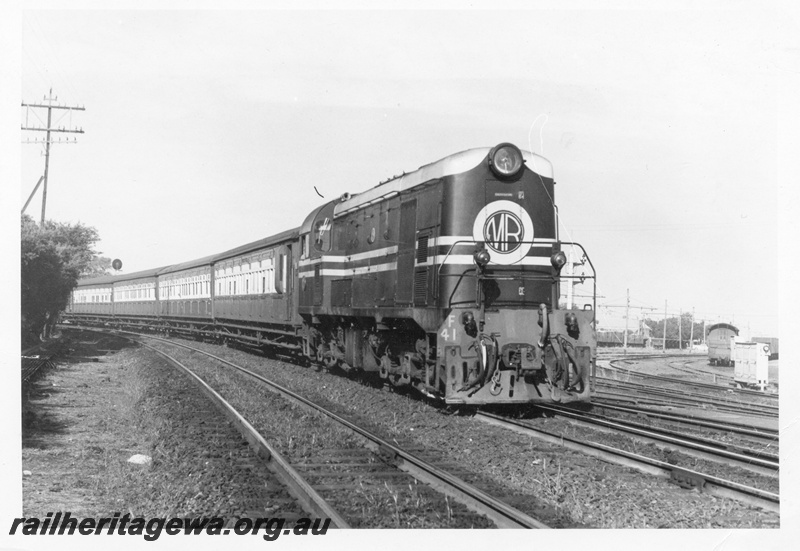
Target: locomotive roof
452, 164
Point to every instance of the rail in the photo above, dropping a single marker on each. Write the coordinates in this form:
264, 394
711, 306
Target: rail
715, 486
502, 514
297, 486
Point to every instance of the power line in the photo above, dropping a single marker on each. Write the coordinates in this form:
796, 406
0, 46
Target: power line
47, 103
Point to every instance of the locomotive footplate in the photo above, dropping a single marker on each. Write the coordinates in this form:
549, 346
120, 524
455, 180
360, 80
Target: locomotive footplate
519, 356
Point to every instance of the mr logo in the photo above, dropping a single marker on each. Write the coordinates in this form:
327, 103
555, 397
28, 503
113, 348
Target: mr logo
507, 230
503, 232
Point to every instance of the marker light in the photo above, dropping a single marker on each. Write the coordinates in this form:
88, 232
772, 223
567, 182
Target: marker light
505, 160
470, 327
558, 260
482, 258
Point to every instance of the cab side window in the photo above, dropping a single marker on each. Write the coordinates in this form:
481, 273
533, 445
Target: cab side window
322, 234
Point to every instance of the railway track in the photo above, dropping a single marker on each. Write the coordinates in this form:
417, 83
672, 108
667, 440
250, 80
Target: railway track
749, 430
31, 365
687, 478
682, 365
297, 486
642, 392
755, 460
336, 471
38, 357
610, 366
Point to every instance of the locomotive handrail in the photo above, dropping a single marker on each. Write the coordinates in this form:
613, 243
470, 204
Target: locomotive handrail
593, 277
473, 242
528, 275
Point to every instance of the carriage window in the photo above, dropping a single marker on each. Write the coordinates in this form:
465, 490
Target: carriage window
285, 269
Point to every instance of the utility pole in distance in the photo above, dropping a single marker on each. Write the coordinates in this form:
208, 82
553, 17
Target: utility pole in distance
627, 315
627, 307
49, 105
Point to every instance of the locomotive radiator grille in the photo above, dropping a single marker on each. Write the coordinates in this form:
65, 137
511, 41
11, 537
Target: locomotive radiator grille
421, 286
422, 249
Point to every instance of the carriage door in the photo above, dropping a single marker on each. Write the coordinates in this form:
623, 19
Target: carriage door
284, 283
405, 253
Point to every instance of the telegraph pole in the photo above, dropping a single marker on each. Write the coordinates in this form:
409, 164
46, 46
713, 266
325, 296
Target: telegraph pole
49, 105
691, 332
665, 326
627, 307
570, 281
627, 315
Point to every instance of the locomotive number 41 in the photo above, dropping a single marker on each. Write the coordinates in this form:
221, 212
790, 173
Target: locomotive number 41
448, 333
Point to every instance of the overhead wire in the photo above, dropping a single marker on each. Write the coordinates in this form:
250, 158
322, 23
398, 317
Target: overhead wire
57, 65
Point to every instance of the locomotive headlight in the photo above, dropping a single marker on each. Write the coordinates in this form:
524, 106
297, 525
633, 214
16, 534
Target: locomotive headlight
505, 160
482, 258
558, 260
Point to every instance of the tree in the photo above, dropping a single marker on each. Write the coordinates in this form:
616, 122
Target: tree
672, 330
99, 266
54, 256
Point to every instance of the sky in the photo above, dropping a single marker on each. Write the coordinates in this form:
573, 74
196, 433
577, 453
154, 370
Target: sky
206, 129
670, 126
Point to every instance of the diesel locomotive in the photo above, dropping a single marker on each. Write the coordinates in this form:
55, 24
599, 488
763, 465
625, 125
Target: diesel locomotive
446, 279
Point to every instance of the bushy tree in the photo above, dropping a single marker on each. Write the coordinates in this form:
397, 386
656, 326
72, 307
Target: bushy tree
54, 256
99, 266
672, 330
